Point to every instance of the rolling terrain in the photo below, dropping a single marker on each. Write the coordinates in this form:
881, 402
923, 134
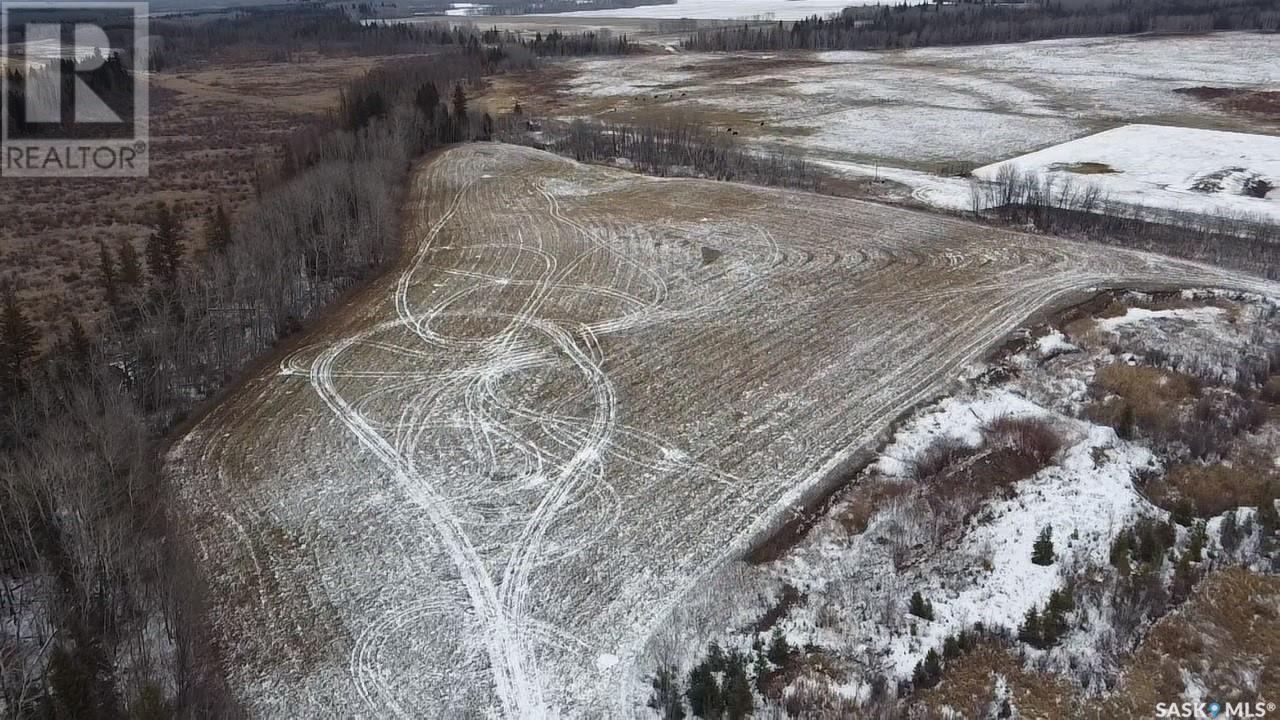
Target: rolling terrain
480, 486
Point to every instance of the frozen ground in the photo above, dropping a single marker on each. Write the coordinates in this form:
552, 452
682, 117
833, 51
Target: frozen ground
920, 107
912, 112
1174, 168
481, 487
853, 584
727, 9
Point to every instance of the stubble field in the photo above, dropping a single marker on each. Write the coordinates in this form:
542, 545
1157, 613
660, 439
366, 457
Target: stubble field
481, 486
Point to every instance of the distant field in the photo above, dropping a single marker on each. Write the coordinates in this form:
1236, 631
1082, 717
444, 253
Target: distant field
482, 485
1172, 168
922, 109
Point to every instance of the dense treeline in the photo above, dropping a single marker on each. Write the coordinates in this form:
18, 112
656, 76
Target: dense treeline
1245, 243
675, 150
284, 34
102, 605
925, 24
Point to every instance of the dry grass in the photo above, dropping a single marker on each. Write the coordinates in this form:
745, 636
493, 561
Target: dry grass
1148, 398
968, 686
1271, 390
1084, 332
867, 500
211, 133
1227, 633
1214, 489
1240, 100
1085, 168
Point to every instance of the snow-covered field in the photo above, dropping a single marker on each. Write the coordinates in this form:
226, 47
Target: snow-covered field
1173, 168
908, 113
482, 487
727, 9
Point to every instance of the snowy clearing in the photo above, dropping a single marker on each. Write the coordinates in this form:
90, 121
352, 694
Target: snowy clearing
724, 10
1173, 168
484, 485
917, 108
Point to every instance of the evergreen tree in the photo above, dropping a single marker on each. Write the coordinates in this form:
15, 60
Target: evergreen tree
666, 694
18, 341
737, 698
1195, 546
1042, 550
79, 348
1060, 602
779, 649
427, 100
459, 102
107, 266
164, 248
130, 269
1229, 535
928, 671
1030, 631
1120, 548
920, 607
760, 667
951, 647
218, 229
1268, 518
703, 691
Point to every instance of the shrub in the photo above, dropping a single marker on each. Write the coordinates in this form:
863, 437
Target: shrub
1037, 438
920, 607
718, 686
1044, 630
941, 454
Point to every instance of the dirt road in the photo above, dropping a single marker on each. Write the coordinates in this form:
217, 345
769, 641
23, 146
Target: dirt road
482, 487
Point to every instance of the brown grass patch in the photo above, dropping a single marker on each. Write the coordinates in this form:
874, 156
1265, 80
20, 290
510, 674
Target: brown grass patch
1227, 633
1149, 398
1084, 168
969, 686
1213, 489
1241, 100
1084, 332
867, 500
1271, 390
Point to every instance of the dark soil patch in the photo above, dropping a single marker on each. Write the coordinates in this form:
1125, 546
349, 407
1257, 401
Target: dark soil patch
1085, 168
1243, 100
